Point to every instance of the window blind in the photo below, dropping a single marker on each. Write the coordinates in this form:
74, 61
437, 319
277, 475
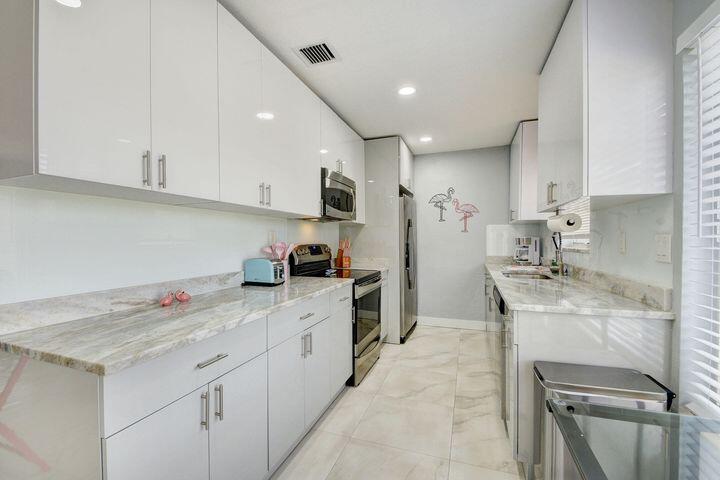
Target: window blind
700, 345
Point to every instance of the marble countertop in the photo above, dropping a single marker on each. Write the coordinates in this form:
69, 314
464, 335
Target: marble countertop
107, 343
568, 295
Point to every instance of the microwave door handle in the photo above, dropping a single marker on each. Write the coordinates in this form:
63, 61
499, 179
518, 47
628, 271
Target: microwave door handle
354, 204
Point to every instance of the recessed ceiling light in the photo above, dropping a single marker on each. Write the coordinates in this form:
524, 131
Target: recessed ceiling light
426, 139
265, 116
323, 151
70, 3
406, 90
371, 181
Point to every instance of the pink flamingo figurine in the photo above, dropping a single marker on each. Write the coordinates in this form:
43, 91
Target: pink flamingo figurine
182, 296
467, 210
167, 300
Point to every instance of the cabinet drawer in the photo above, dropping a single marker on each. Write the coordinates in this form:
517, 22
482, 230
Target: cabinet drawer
340, 299
132, 394
291, 321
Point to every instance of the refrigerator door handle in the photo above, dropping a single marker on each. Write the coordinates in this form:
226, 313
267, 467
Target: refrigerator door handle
408, 266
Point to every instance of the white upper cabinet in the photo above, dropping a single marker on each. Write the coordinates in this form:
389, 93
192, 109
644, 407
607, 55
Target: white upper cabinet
605, 103
94, 91
292, 140
242, 141
406, 166
524, 174
184, 87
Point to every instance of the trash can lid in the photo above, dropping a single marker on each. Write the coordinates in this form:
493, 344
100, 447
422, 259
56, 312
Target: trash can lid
601, 381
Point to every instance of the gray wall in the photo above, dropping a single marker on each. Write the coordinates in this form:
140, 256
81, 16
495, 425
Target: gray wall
451, 262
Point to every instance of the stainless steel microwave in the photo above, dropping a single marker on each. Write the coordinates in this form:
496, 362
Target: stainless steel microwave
337, 196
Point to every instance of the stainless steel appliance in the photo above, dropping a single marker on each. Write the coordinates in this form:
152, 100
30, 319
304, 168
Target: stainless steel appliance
621, 387
408, 262
337, 196
315, 260
264, 272
508, 368
527, 250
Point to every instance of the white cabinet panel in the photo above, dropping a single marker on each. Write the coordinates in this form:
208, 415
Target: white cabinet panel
292, 140
560, 113
94, 90
242, 144
341, 344
286, 397
317, 372
524, 174
170, 443
238, 430
184, 68
406, 166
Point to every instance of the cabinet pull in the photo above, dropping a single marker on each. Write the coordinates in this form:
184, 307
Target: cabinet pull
307, 315
162, 171
303, 348
269, 194
490, 304
343, 299
215, 359
511, 215
547, 193
310, 335
220, 413
552, 192
206, 410
146, 167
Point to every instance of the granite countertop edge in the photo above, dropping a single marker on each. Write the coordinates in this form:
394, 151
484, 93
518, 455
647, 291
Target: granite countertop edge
17, 342
638, 309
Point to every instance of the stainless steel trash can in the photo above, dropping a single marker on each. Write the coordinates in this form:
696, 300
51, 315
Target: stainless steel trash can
622, 387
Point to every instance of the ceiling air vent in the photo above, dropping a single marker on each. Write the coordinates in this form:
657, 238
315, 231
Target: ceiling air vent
316, 54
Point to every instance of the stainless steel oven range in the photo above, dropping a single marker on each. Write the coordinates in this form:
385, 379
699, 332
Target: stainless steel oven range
314, 260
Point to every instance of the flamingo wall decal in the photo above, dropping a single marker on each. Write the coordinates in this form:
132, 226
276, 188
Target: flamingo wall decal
440, 199
467, 210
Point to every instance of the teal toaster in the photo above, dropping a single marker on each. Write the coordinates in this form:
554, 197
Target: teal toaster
265, 272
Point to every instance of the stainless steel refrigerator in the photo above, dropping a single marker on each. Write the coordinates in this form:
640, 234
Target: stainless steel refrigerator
408, 266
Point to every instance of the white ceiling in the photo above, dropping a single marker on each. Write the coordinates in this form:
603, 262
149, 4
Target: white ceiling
475, 63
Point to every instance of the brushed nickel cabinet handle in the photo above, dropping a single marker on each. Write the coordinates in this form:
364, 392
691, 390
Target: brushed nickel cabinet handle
215, 359
206, 409
146, 167
262, 193
311, 346
343, 299
220, 391
511, 215
162, 171
307, 315
269, 195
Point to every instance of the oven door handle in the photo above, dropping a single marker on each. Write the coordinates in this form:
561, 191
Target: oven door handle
362, 290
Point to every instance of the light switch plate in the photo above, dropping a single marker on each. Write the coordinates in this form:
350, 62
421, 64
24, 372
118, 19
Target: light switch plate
663, 248
622, 243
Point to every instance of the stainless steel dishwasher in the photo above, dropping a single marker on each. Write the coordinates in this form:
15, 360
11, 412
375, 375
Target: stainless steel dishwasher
621, 387
508, 368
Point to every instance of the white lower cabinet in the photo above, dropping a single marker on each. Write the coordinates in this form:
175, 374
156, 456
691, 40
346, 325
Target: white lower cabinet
286, 396
171, 443
341, 354
317, 371
218, 430
238, 429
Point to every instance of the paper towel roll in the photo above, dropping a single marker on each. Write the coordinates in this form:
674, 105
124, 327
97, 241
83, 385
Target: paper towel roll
568, 222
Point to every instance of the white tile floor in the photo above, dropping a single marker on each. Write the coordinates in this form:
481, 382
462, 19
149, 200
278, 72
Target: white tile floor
428, 410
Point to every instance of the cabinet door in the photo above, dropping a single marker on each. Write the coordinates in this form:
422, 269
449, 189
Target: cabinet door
185, 95
170, 443
94, 90
384, 309
286, 396
331, 138
341, 345
515, 174
238, 431
561, 148
406, 166
357, 163
242, 158
292, 140
317, 371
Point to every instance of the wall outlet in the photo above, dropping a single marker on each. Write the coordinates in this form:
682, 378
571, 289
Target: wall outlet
663, 248
622, 243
